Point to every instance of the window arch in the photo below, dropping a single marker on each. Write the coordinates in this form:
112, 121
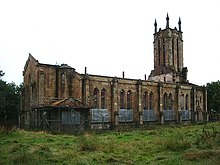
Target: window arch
182, 102
187, 102
129, 99
145, 100
177, 52
164, 52
165, 106
151, 101
103, 98
173, 51
62, 78
170, 102
122, 101
95, 98
159, 51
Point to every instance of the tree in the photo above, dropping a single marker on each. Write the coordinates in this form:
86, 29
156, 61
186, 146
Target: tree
9, 101
213, 92
1, 73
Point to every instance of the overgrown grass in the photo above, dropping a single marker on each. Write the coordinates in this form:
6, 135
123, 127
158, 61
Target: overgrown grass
191, 144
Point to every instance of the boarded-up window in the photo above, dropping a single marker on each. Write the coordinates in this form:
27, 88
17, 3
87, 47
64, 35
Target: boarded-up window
125, 115
100, 115
149, 115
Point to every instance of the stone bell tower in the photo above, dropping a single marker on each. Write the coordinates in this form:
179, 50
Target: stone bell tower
168, 55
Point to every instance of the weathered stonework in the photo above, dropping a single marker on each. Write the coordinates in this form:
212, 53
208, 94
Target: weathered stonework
167, 94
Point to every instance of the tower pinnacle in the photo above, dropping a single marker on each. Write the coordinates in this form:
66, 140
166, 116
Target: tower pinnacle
179, 24
155, 26
167, 26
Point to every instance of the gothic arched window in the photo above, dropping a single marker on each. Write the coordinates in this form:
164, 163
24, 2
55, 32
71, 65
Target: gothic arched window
173, 52
177, 52
159, 52
170, 102
151, 101
182, 102
63, 78
103, 98
187, 102
95, 98
129, 99
122, 99
145, 100
164, 52
165, 101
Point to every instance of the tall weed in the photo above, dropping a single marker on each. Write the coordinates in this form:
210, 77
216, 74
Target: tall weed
87, 143
176, 142
207, 138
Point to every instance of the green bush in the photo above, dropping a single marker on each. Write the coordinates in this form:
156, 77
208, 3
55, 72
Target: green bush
87, 143
176, 142
207, 138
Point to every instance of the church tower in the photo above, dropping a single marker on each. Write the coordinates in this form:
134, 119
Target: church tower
168, 54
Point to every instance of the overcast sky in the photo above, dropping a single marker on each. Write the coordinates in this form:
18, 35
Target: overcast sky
107, 37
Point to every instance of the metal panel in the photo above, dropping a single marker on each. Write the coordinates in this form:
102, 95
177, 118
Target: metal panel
100, 115
125, 115
168, 115
149, 115
186, 114
70, 117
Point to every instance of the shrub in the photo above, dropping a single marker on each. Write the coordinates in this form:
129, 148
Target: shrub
176, 142
22, 157
87, 143
207, 138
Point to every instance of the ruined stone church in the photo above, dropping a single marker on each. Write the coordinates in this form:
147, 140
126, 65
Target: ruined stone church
59, 98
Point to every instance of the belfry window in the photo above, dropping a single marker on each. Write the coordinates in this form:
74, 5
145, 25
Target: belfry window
129, 99
177, 51
173, 51
122, 101
103, 98
159, 52
95, 98
164, 53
